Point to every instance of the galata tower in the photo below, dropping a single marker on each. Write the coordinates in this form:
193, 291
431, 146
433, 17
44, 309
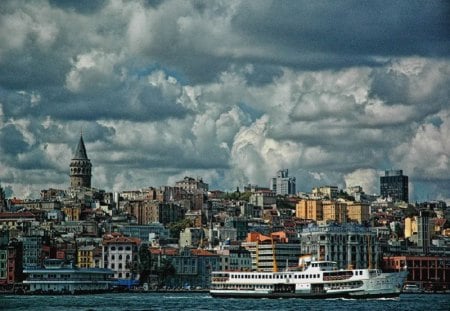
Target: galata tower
80, 167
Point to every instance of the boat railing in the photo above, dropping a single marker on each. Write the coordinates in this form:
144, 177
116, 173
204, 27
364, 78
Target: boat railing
337, 275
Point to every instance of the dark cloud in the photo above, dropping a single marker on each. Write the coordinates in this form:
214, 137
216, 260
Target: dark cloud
12, 141
79, 6
230, 91
349, 28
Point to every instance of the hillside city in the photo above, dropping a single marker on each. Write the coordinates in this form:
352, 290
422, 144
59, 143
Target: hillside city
172, 237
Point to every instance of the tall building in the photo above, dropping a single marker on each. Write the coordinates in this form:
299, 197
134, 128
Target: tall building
283, 184
80, 167
394, 185
424, 228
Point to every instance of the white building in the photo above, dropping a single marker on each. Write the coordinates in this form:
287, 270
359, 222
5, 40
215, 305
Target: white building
120, 253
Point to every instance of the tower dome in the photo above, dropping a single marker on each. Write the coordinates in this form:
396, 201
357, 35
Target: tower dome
80, 167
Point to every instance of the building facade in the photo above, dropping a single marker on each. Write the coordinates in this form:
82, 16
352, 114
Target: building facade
428, 272
309, 209
274, 252
394, 185
282, 184
119, 253
349, 245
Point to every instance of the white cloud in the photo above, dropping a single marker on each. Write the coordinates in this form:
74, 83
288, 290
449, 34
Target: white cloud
368, 179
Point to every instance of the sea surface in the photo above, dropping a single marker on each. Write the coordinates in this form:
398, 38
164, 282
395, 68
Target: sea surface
202, 301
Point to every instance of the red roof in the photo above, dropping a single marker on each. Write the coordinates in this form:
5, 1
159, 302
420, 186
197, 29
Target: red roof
9, 215
201, 252
117, 238
164, 251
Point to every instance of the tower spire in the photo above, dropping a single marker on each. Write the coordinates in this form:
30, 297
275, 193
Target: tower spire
80, 166
80, 152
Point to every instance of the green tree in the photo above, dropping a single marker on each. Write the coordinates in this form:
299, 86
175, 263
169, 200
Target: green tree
176, 227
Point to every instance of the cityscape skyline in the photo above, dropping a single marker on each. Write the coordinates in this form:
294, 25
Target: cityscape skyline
231, 92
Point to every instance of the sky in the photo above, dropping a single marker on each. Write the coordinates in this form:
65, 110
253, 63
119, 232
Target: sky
231, 91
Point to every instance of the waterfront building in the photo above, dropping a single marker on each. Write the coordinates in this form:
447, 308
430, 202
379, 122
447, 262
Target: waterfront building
282, 184
235, 259
271, 252
428, 272
14, 272
394, 185
80, 167
3, 265
55, 277
193, 268
32, 251
349, 245
119, 253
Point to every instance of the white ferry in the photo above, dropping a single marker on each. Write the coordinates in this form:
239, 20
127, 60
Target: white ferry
315, 279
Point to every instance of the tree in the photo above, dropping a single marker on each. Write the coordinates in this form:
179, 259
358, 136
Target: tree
176, 227
164, 271
145, 263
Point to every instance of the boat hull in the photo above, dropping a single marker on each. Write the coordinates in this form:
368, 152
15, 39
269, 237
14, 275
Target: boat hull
304, 295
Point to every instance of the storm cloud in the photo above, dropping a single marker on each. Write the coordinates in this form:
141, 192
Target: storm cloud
231, 91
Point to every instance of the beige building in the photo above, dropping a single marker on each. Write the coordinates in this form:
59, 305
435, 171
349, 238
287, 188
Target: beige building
358, 212
329, 192
334, 211
309, 209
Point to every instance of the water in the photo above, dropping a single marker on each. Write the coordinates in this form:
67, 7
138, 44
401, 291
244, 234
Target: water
202, 301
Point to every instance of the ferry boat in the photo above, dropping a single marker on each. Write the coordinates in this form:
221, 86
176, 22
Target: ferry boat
313, 279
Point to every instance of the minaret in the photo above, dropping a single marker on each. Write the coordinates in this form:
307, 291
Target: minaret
80, 167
